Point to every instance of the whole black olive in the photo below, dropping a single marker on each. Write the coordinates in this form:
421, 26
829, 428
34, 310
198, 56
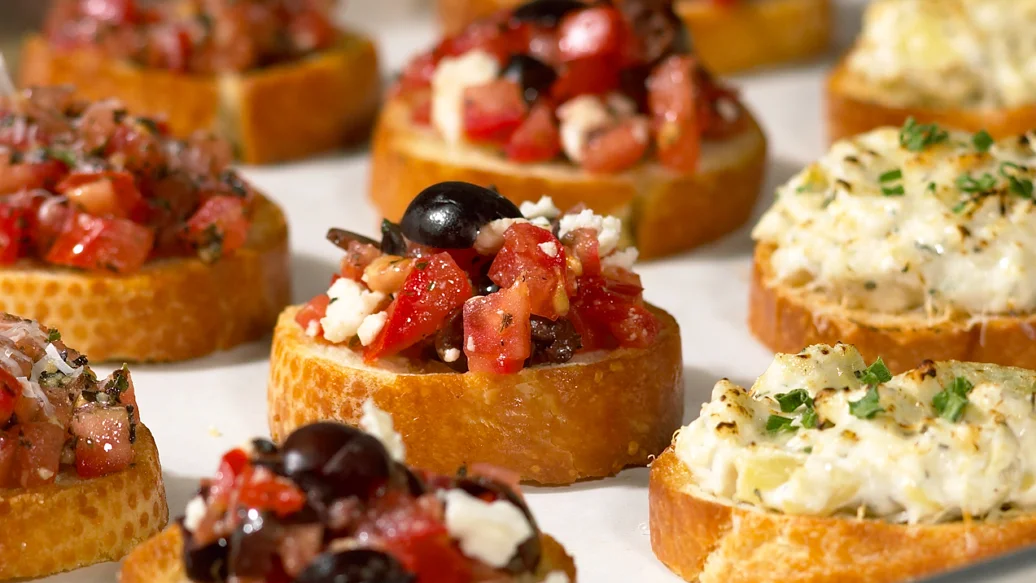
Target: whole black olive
356, 566
205, 564
449, 215
414, 484
545, 12
332, 460
341, 238
392, 240
527, 559
534, 76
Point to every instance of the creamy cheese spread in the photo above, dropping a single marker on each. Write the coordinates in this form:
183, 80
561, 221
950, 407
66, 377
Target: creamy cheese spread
978, 53
947, 226
900, 457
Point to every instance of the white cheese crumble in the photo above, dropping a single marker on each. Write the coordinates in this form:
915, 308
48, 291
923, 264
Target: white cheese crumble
875, 226
491, 236
488, 531
544, 208
578, 118
905, 464
371, 327
313, 328
451, 355
609, 229
623, 258
451, 77
550, 248
379, 424
194, 513
557, 577
351, 303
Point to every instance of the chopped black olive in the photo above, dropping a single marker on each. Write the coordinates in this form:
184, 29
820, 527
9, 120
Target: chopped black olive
355, 566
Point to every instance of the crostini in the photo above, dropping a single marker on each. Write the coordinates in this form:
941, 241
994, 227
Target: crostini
334, 503
136, 246
831, 471
276, 78
959, 63
493, 334
80, 481
729, 35
910, 243
587, 104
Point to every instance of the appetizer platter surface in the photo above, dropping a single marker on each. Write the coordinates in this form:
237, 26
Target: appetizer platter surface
405, 319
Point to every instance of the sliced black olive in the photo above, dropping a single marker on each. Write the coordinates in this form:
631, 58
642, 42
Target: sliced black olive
553, 341
266, 454
392, 240
253, 545
527, 559
356, 566
451, 337
341, 238
332, 460
205, 564
534, 76
545, 12
414, 484
449, 215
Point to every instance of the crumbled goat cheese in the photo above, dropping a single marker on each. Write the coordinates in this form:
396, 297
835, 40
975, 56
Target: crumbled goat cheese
452, 76
351, 303
491, 236
580, 117
488, 531
379, 424
371, 327
624, 258
609, 229
451, 355
557, 577
544, 208
313, 328
194, 513
550, 248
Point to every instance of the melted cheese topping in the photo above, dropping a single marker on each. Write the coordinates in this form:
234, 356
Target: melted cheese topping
952, 53
905, 464
959, 238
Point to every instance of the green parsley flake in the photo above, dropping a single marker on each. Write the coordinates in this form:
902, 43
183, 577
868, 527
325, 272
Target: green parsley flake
53, 336
789, 402
916, 137
983, 183
778, 424
810, 419
891, 175
952, 400
1019, 186
982, 141
64, 156
875, 374
868, 406
893, 191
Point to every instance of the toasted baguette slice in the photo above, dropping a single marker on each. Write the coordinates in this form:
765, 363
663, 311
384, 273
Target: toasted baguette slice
785, 319
707, 540
727, 39
665, 212
274, 114
852, 109
160, 560
74, 522
552, 424
172, 309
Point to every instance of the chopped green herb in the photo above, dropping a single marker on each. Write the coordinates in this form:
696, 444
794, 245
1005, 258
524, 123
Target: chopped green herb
64, 156
1017, 185
331, 301
875, 374
791, 401
150, 124
957, 208
982, 141
893, 191
868, 406
808, 449
778, 424
983, 183
53, 335
891, 175
916, 137
810, 418
931, 187
953, 399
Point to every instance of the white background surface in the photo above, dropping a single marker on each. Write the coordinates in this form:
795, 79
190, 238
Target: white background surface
199, 409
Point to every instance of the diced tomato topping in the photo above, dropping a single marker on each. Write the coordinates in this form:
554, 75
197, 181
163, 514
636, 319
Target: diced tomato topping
102, 244
271, 492
497, 332
537, 139
618, 306
421, 107
673, 102
418, 73
534, 256
592, 32
38, 455
140, 148
27, 176
357, 258
105, 194
312, 312
618, 148
103, 440
435, 287
490, 35
10, 390
492, 112
233, 464
110, 11
13, 224
219, 225
590, 76
171, 47
587, 249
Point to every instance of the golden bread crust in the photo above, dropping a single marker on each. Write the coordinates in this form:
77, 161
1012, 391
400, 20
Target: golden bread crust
551, 424
786, 320
666, 212
850, 113
159, 560
171, 309
74, 523
727, 39
275, 114
706, 541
